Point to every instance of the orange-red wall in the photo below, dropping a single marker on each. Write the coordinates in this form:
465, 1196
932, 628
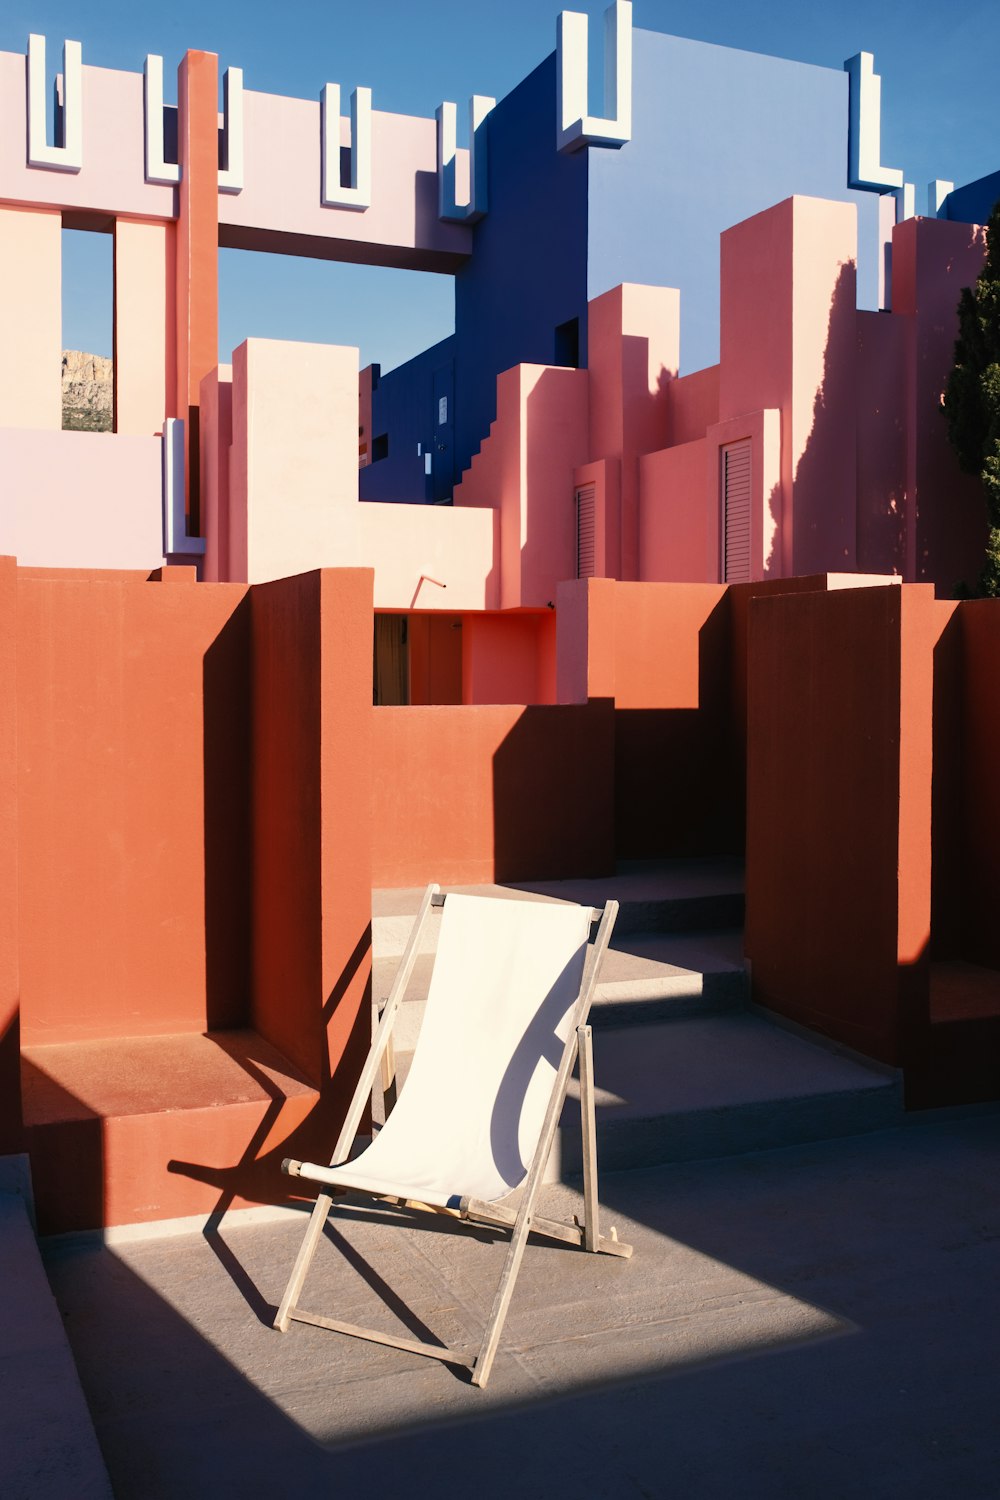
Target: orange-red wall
839, 798
471, 794
311, 789
979, 873
10, 1041
131, 702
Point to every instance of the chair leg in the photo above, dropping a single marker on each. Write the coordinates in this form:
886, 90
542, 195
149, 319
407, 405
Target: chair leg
588, 1124
491, 1339
303, 1261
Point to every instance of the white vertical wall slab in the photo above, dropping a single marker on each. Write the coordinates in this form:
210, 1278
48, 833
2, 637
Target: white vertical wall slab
865, 169
176, 541
358, 193
937, 192
65, 155
231, 172
576, 128
158, 169
449, 208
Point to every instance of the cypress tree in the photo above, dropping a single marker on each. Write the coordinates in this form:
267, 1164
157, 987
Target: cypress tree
972, 395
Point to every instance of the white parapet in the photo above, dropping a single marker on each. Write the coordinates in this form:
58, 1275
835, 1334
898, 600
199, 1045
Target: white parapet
449, 208
358, 192
66, 154
576, 128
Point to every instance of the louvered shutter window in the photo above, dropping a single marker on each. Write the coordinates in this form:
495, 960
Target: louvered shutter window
736, 511
585, 531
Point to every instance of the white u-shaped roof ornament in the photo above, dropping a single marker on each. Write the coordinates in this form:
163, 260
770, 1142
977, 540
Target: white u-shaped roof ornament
66, 154
158, 169
449, 208
574, 126
864, 151
231, 174
358, 192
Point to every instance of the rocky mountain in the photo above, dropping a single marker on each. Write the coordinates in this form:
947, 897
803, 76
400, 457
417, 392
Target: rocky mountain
87, 392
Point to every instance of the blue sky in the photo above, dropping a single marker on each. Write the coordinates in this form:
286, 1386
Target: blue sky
939, 91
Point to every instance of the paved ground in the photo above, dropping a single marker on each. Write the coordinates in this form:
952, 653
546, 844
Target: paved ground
818, 1321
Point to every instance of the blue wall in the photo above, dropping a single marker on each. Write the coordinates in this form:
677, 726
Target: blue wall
528, 270
403, 407
973, 203
717, 135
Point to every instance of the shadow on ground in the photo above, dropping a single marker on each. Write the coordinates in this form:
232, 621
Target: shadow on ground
706, 1366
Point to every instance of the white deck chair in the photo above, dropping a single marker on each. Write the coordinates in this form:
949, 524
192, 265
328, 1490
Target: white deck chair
506, 1018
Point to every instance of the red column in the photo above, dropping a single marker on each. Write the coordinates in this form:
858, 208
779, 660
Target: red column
197, 303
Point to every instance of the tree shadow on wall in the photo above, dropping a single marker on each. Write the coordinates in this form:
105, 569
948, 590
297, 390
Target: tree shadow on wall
816, 533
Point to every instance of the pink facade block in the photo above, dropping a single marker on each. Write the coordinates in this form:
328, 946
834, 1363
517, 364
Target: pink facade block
145, 356
788, 342
674, 541
694, 404
932, 260
112, 179
537, 442
294, 466
431, 557
885, 353
280, 209
80, 499
31, 315
633, 354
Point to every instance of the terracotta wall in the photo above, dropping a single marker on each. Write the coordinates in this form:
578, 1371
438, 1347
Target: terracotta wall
462, 795
978, 876
132, 746
839, 809
10, 1039
311, 814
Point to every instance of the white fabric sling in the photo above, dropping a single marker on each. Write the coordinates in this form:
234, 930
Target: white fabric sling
505, 1020
506, 977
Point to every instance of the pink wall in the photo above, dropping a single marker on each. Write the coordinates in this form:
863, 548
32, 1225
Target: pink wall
674, 515
885, 353
538, 523
409, 546
81, 499
694, 404
294, 465
280, 209
633, 352
932, 260
30, 314
112, 178
788, 342
508, 658
145, 354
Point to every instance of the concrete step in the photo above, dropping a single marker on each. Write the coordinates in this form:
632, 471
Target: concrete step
721, 1085
646, 977
48, 1448
664, 896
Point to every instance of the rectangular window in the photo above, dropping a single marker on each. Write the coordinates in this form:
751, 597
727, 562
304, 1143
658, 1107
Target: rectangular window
736, 512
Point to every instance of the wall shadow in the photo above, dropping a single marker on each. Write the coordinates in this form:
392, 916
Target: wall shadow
226, 757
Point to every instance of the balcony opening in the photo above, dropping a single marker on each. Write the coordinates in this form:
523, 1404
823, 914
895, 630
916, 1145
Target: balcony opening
88, 372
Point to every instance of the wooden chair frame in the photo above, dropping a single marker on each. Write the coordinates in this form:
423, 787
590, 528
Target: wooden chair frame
521, 1220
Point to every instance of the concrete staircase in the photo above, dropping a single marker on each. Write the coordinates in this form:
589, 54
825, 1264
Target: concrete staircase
686, 1067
